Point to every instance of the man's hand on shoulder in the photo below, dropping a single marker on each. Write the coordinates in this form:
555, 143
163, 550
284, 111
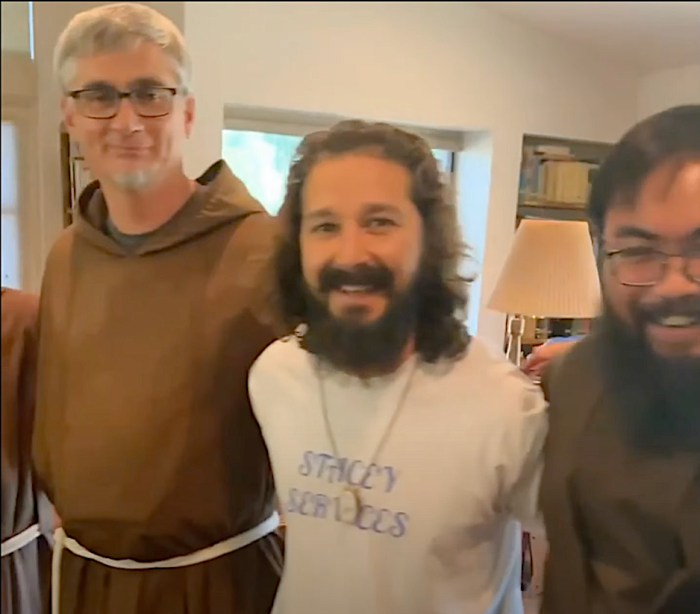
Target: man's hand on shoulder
542, 356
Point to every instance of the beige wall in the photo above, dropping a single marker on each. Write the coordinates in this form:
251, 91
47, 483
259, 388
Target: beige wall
669, 88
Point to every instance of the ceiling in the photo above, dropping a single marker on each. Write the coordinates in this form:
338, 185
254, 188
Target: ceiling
651, 35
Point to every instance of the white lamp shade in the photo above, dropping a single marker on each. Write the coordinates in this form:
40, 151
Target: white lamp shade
550, 272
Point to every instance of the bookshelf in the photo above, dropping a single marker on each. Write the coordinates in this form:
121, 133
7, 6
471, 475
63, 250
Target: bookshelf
556, 175
555, 182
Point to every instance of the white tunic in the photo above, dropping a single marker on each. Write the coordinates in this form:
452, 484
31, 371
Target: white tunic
439, 530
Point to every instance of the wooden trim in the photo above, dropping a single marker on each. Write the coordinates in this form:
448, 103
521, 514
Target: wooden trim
68, 199
19, 78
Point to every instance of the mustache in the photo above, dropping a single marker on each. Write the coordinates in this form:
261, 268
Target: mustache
376, 277
685, 306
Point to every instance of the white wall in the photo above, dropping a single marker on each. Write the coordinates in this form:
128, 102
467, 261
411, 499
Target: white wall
442, 64
668, 88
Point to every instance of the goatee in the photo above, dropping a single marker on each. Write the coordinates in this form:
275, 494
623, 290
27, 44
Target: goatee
134, 181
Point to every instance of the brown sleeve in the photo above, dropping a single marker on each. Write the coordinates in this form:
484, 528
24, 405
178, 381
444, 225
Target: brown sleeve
27, 374
549, 374
22, 308
266, 305
40, 449
27, 383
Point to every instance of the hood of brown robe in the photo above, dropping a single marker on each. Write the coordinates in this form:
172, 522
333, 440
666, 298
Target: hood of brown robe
225, 199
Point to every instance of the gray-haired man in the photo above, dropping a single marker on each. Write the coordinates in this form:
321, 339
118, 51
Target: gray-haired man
152, 311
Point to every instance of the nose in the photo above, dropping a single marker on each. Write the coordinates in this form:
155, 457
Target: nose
676, 282
126, 119
351, 247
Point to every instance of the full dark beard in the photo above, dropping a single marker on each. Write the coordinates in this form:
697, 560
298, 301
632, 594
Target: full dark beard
657, 398
360, 348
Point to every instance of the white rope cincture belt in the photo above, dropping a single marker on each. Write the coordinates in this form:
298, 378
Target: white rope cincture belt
19, 541
206, 554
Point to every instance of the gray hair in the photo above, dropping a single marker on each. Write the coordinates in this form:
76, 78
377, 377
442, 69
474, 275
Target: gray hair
118, 27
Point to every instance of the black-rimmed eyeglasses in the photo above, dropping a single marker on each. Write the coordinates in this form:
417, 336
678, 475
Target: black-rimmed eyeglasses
103, 102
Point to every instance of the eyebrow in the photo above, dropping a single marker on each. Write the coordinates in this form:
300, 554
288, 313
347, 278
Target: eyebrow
91, 85
634, 232
318, 214
146, 82
370, 209
140, 82
381, 208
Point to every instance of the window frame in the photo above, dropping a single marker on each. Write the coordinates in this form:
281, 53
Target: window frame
27, 211
291, 123
237, 117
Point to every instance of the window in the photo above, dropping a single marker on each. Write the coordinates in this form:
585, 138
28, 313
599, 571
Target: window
261, 160
11, 265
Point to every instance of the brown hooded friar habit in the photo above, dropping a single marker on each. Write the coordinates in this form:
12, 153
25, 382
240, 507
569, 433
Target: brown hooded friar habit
145, 440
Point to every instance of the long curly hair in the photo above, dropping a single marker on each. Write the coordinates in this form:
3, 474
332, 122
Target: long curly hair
440, 329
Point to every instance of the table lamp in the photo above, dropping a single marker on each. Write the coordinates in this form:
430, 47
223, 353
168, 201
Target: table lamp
550, 272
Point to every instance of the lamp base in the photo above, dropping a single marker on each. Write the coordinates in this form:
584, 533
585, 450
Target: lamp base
516, 327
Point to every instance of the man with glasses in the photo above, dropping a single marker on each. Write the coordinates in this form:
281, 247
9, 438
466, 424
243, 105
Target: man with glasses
621, 487
153, 308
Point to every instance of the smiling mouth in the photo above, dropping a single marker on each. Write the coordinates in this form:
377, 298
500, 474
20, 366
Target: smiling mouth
677, 321
356, 289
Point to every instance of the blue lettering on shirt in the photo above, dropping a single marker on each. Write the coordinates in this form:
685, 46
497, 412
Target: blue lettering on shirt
353, 472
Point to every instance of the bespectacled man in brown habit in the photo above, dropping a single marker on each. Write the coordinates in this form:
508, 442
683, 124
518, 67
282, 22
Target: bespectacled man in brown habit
621, 484
153, 307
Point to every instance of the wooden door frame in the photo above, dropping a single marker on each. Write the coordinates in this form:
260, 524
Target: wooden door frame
19, 106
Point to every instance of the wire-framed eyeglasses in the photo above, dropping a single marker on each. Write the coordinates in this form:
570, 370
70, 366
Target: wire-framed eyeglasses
645, 266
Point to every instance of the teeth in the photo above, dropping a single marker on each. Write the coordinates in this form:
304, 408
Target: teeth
677, 321
351, 289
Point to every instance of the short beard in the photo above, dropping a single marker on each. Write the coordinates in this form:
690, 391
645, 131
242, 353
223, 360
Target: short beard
134, 181
363, 349
657, 398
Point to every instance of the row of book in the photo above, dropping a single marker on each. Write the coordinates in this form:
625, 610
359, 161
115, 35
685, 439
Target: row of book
550, 174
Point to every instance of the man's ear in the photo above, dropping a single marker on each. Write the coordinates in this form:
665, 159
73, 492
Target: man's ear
190, 107
68, 113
